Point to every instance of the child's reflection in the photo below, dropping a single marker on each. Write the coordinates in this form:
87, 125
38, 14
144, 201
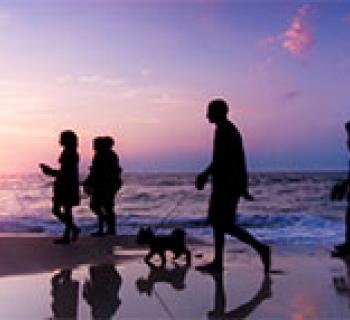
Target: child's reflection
64, 293
101, 292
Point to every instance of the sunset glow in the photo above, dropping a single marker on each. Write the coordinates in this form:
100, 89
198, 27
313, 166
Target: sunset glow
144, 71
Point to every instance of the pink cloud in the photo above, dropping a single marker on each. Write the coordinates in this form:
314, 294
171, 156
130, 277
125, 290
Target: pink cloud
298, 39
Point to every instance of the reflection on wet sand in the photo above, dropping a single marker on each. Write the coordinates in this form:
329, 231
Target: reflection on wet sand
175, 277
101, 291
245, 309
342, 283
65, 293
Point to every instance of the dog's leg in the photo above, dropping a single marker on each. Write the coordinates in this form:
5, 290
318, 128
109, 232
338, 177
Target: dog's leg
148, 257
188, 257
177, 254
163, 258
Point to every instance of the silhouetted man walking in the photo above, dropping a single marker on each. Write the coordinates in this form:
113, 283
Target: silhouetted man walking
340, 191
229, 182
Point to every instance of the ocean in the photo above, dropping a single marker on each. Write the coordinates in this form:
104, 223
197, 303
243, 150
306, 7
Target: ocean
289, 207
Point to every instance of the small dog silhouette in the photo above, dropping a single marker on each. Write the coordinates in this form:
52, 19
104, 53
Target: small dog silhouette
174, 242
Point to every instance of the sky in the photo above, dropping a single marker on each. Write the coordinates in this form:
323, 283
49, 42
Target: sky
144, 72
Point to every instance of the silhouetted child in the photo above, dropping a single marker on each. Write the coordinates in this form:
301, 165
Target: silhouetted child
103, 182
340, 191
66, 185
101, 292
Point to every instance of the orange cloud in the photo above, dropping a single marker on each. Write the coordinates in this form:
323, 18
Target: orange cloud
298, 39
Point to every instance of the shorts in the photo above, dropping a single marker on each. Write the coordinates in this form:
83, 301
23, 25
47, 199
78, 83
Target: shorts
222, 209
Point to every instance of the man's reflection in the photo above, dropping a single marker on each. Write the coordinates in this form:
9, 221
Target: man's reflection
64, 293
175, 277
244, 310
101, 292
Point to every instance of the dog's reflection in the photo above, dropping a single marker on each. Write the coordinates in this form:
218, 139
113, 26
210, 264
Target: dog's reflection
342, 283
101, 291
242, 311
176, 277
65, 292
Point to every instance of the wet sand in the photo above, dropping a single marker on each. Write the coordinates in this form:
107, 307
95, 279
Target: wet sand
106, 278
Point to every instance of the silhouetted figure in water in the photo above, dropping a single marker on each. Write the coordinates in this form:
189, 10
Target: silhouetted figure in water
245, 309
101, 292
175, 277
65, 293
229, 180
103, 183
66, 185
339, 192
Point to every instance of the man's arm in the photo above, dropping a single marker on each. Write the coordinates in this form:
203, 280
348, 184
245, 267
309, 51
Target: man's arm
202, 178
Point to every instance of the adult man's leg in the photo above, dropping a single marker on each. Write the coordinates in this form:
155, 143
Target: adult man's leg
347, 225
219, 244
222, 208
244, 236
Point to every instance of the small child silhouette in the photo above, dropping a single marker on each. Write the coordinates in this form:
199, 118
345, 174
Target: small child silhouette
66, 185
103, 182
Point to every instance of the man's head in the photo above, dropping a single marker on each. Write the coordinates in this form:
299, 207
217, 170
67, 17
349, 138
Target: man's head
217, 111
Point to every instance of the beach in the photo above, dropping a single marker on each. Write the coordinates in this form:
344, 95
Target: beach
107, 278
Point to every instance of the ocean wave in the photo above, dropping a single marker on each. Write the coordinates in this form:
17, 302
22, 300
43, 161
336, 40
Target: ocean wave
273, 228
289, 207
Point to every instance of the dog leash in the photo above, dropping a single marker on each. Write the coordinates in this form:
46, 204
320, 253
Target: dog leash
163, 304
171, 211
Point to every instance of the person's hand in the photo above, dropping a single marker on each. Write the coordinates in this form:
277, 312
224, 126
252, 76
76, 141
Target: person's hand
246, 195
201, 180
45, 168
